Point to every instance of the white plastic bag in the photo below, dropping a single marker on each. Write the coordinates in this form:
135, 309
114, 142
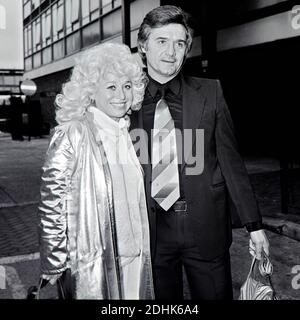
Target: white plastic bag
254, 289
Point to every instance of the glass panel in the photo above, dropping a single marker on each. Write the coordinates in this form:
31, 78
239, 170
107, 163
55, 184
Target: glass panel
46, 25
36, 34
73, 42
106, 6
37, 37
29, 39
37, 60
58, 50
112, 24
85, 11
94, 5
33, 36
68, 15
60, 16
91, 34
107, 26
35, 3
75, 10
117, 3
94, 14
26, 41
47, 55
27, 10
28, 64
54, 25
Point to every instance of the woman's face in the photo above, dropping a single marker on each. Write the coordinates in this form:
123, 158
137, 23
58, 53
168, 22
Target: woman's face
114, 95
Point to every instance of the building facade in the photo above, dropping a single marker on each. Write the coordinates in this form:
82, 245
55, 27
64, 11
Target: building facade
56, 31
234, 41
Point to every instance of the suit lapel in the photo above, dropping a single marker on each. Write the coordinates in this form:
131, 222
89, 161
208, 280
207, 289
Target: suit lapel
193, 105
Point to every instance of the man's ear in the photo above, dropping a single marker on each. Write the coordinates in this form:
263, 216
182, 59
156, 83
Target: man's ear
143, 47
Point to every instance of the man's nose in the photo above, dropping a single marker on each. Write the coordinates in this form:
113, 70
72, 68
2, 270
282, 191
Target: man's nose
171, 50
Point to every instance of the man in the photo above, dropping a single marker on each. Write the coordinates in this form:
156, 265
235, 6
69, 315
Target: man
189, 213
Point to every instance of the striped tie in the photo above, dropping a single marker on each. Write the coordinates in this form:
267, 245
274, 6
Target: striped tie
165, 177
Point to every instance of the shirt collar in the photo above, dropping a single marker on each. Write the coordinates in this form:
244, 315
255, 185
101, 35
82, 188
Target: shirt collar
174, 85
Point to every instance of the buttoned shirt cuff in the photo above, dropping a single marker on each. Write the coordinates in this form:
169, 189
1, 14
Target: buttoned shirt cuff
254, 226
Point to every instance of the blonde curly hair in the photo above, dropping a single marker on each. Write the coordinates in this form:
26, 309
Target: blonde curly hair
92, 65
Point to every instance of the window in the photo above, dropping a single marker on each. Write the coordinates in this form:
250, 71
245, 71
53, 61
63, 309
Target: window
94, 5
29, 39
27, 9
85, 11
46, 27
106, 6
26, 41
117, 3
54, 22
2, 18
37, 34
60, 19
75, 10
35, 4
68, 5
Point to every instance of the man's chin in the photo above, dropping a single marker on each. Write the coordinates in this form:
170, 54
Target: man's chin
169, 72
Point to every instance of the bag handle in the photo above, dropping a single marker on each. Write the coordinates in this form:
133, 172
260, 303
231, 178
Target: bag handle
34, 292
265, 268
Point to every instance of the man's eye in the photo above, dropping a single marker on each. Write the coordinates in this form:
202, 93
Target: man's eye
128, 86
112, 88
181, 44
162, 41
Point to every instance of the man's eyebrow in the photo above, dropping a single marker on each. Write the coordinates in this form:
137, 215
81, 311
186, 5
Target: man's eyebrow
160, 37
166, 38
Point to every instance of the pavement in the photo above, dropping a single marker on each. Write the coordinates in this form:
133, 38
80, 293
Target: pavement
20, 170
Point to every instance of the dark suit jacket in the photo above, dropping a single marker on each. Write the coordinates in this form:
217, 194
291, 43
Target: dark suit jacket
223, 185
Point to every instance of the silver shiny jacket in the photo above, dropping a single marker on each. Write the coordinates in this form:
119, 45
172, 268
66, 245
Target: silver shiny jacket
76, 211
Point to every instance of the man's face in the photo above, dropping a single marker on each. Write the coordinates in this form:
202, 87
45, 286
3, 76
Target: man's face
165, 51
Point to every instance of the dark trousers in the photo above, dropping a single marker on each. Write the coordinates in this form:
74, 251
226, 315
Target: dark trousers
207, 279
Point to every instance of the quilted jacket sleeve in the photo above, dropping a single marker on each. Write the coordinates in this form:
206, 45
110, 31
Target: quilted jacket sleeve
56, 174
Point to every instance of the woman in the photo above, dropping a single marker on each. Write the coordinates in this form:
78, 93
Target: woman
93, 216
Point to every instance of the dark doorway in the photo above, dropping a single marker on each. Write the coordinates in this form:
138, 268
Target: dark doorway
260, 86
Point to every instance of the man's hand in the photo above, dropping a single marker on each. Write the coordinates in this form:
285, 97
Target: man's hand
257, 243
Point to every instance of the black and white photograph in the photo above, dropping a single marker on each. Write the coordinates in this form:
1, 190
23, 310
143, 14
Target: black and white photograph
149, 152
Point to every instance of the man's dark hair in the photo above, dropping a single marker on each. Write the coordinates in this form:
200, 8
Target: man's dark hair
159, 17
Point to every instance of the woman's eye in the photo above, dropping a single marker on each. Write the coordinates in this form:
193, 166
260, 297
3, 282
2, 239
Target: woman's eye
112, 88
128, 86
